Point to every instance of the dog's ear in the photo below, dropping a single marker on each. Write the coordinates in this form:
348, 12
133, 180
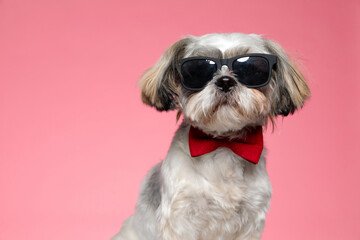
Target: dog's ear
291, 89
160, 84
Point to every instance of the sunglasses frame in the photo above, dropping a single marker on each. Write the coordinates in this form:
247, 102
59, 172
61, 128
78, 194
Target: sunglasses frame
271, 59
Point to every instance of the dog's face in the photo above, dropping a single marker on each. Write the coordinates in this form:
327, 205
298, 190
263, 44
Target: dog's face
224, 106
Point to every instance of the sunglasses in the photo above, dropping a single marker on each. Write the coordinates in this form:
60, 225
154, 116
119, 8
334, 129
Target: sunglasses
251, 70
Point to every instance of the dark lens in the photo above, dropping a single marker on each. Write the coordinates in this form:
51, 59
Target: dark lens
197, 73
251, 71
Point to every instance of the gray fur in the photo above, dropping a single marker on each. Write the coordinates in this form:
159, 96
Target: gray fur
151, 189
283, 101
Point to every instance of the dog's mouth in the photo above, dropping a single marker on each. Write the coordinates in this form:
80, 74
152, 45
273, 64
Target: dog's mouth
221, 100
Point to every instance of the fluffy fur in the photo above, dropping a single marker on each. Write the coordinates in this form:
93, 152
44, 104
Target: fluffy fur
218, 195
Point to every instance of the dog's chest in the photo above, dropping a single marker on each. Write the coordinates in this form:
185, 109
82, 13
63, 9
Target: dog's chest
214, 199
224, 190
221, 178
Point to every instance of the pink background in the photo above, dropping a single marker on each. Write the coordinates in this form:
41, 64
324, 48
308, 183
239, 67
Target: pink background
76, 141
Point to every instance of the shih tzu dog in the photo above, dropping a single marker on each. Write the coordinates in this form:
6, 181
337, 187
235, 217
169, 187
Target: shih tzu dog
213, 183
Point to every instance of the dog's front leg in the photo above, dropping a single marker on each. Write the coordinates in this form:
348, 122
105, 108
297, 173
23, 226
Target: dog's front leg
177, 219
253, 229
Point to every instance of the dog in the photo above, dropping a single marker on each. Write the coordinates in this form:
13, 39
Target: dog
213, 183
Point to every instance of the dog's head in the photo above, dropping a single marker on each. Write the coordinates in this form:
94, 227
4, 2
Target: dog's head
225, 82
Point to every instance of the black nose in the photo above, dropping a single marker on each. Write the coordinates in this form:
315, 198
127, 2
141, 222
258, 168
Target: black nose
225, 84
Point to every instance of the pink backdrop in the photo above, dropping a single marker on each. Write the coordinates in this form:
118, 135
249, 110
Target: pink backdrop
76, 141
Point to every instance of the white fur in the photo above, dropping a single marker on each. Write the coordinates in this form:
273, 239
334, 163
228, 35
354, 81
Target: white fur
227, 41
215, 196
227, 117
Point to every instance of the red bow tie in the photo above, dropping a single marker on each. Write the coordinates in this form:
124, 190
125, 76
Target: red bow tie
249, 148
